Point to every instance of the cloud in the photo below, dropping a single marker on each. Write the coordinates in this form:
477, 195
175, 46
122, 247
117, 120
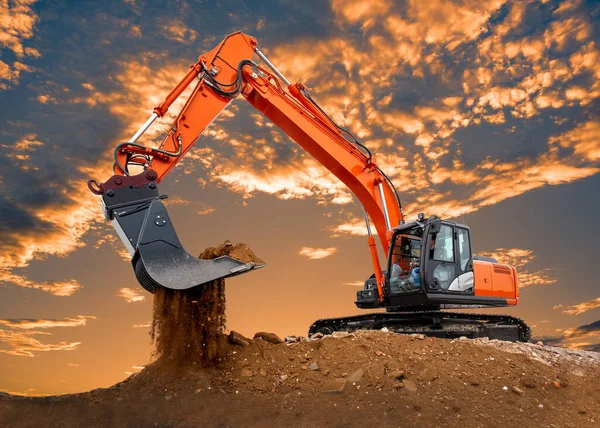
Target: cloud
25, 345
584, 140
18, 336
29, 323
579, 308
134, 369
17, 22
131, 295
146, 325
585, 337
520, 259
317, 253
362, 11
178, 31
354, 283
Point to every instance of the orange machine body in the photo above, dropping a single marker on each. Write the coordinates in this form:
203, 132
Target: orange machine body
496, 280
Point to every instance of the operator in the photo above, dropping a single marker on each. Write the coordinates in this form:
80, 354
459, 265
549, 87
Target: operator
396, 269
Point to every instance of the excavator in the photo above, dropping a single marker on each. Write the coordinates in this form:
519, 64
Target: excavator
429, 262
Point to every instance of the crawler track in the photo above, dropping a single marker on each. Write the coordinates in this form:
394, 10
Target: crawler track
431, 323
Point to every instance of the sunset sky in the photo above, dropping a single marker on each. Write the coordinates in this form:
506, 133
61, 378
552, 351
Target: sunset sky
481, 111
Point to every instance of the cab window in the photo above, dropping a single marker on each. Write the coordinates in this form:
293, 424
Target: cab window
464, 249
443, 249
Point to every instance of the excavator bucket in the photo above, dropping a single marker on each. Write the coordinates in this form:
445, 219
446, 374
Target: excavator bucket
159, 260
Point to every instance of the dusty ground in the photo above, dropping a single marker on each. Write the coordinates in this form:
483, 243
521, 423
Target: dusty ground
365, 379
201, 377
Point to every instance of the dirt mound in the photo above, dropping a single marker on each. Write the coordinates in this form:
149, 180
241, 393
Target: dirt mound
369, 378
188, 325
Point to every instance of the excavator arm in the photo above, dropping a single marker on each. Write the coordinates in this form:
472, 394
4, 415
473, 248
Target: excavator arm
134, 205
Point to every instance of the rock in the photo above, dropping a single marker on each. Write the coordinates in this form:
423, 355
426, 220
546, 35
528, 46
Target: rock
291, 339
246, 372
539, 343
317, 336
268, 337
356, 376
238, 339
410, 385
397, 374
427, 375
283, 377
385, 330
418, 336
556, 384
340, 334
263, 372
304, 367
314, 366
463, 338
474, 382
398, 385
528, 383
335, 386
517, 390
379, 353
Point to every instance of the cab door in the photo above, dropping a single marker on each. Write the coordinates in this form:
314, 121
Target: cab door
448, 261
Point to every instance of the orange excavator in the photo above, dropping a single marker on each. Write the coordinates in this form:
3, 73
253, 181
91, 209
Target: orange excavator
429, 264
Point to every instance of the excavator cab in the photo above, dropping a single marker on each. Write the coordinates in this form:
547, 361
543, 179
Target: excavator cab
429, 264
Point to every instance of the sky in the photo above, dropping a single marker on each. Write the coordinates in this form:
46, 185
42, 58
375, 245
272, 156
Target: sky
482, 112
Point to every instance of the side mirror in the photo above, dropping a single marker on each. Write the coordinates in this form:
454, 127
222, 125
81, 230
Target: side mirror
435, 226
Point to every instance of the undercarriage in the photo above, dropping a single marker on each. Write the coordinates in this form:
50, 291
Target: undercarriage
449, 325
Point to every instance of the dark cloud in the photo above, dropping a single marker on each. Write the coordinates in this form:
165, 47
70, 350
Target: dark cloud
585, 337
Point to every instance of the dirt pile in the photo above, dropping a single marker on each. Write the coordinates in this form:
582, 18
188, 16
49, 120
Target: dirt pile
188, 325
369, 378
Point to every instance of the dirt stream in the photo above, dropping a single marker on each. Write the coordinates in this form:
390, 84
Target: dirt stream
202, 377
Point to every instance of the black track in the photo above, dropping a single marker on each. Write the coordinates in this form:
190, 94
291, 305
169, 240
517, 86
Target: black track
431, 323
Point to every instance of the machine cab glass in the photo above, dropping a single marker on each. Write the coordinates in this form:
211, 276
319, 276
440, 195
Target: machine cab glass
404, 263
448, 259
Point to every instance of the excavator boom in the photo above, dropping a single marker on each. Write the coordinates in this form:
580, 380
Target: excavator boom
134, 205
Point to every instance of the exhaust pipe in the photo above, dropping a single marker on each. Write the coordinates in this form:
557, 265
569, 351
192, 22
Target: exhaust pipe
137, 212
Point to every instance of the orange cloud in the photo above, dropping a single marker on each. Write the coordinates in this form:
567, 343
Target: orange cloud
178, 31
580, 308
317, 253
57, 288
584, 140
29, 324
363, 11
25, 345
354, 283
147, 325
131, 295
17, 22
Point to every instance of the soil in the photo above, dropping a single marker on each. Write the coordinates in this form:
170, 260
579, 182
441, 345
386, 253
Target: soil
201, 377
370, 378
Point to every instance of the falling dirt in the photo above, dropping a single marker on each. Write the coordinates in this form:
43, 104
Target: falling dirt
188, 325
